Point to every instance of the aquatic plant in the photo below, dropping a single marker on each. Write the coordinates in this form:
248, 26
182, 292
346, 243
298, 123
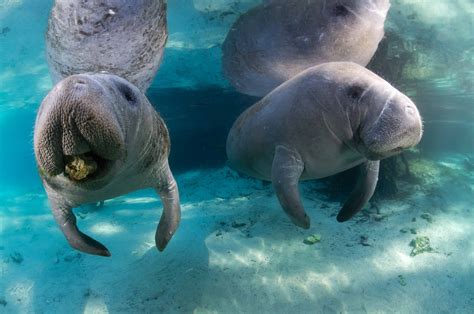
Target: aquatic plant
420, 245
312, 239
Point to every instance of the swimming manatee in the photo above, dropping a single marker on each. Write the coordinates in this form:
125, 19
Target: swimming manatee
280, 38
125, 38
97, 137
325, 120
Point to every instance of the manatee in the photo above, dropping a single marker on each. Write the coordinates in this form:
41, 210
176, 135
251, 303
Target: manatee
280, 38
325, 120
97, 137
125, 38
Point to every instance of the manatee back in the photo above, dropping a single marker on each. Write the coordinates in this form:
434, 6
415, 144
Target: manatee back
286, 116
278, 39
125, 38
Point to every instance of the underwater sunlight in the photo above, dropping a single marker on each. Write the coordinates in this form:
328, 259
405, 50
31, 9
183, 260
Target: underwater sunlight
323, 150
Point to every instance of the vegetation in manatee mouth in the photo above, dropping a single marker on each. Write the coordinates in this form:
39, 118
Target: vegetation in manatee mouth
80, 167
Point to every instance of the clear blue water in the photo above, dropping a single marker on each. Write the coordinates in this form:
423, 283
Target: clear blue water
212, 264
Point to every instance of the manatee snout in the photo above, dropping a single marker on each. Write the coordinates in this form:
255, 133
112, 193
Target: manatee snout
398, 127
76, 121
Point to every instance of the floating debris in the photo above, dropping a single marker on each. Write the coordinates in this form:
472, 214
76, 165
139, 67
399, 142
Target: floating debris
81, 215
72, 256
16, 257
312, 239
378, 217
238, 224
411, 230
90, 293
427, 217
401, 280
469, 163
420, 245
5, 30
364, 240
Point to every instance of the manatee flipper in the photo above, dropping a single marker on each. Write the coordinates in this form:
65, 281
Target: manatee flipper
67, 222
287, 168
169, 195
363, 191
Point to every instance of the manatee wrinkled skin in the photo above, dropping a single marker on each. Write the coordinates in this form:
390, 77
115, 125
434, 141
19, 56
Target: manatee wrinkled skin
280, 38
325, 120
104, 120
125, 38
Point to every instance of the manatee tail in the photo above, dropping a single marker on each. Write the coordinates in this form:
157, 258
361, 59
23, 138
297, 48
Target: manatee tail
287, 168
362, 192
171, 216
67, 222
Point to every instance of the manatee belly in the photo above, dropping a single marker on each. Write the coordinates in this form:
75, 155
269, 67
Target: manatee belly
253, 156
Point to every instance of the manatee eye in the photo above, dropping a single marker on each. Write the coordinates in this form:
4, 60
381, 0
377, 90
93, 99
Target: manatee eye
340, 10
354, 92
127, 93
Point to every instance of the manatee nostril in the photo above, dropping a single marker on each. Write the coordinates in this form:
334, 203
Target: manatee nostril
80, 84
409, 109
340, 10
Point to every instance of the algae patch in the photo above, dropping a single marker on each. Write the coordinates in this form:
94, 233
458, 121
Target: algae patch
427, 217
401, 280
420, 245
411, 230
312, 239
79, 167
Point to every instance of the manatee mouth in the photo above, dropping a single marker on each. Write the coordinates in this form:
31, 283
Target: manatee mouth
86, 167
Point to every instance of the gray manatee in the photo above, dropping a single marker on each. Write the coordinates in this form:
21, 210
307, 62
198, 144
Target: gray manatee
278, 39
325, 120
125, 38
97, 137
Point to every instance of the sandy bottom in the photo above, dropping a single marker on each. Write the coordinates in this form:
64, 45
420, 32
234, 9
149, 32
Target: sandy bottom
236, 251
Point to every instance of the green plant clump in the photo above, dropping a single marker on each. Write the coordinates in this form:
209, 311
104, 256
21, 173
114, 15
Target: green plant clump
420, 245
312, 239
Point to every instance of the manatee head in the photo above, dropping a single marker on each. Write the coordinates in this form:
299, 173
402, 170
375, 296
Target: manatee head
383, 121
389, 121
83, 125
